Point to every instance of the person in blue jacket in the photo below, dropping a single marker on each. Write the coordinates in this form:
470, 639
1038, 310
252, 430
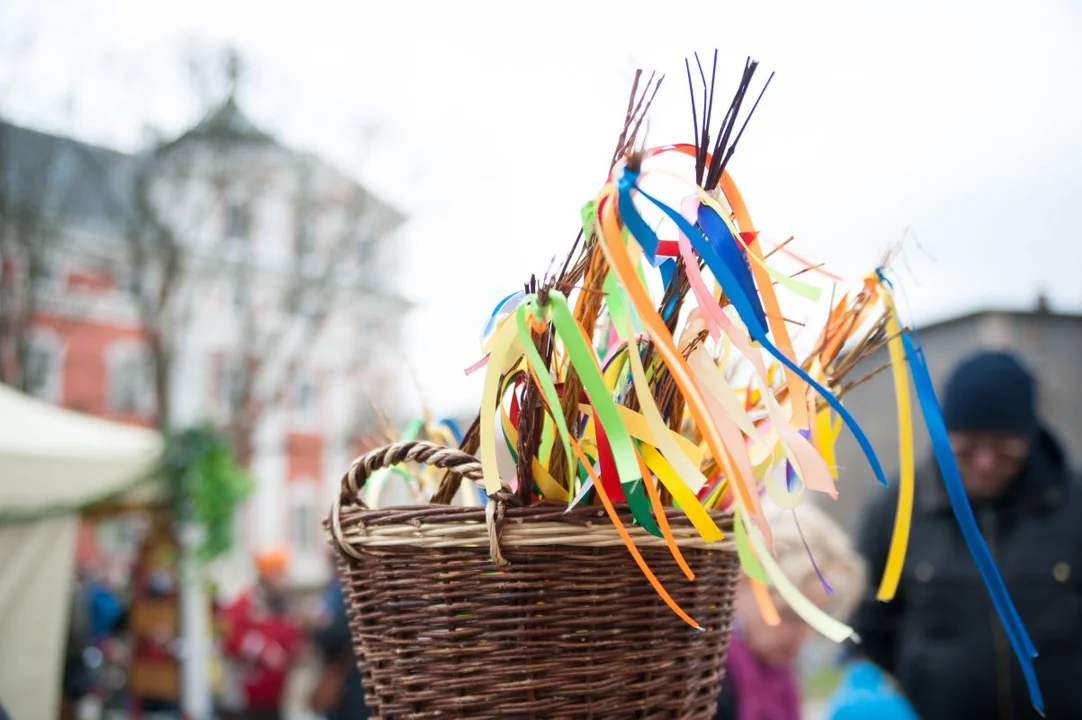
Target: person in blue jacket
336, 646
866, 692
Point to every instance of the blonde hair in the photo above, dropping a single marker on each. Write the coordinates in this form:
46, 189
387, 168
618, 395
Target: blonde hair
831, 549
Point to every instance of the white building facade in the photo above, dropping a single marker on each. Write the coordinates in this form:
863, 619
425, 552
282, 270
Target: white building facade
279, 318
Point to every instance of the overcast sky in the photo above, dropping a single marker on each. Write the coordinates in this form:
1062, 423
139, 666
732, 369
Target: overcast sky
959, 120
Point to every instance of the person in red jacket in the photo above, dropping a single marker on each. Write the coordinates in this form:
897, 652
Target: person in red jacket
263, 640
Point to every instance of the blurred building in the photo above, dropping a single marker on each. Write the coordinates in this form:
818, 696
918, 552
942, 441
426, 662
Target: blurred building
1049, 342
264, 272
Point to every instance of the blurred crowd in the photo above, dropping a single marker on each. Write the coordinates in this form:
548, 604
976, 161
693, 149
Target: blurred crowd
264, 637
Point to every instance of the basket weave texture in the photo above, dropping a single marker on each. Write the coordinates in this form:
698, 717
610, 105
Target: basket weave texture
525, 612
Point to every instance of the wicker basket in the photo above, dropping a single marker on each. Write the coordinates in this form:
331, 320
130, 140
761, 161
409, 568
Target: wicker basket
524, 612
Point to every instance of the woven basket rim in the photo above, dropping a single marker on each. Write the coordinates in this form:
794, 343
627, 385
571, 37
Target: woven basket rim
543, 511
545, 523
519, 535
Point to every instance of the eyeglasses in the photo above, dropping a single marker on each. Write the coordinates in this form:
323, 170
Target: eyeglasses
1008, 447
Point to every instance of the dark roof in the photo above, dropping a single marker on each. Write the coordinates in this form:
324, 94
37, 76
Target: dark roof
65, 180
1041, 312
227, 123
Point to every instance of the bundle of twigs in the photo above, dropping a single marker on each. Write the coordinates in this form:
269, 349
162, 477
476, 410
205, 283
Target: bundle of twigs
585, 267
584, 260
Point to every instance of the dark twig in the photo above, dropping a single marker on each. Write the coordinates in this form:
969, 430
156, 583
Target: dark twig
732, 148
694, 121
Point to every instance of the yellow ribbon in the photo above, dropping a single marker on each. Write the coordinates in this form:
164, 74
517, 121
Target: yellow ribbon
899, 541
503, 357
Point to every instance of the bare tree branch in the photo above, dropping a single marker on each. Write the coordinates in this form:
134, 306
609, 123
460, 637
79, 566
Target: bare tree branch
33, 199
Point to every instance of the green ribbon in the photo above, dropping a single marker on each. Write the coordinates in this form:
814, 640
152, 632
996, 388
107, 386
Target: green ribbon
744, 551
529, 306
584, 361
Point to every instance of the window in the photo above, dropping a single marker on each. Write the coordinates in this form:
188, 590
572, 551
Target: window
304, 518
230, 385
239, 295
305, 303
368, 257
44, 365
302, 232
237, 219
127, 280
366, 247
45, 274
129, 390
304, 400
91, 279
372, 329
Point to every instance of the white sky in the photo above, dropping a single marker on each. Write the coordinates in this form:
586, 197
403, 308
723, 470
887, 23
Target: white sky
498, 120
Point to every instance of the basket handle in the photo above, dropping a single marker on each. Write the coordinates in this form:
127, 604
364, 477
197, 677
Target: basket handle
419, 451
455, 462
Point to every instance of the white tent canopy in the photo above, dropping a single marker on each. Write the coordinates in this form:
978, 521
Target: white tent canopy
49, 458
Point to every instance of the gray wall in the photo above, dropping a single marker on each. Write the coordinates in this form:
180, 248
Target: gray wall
1050, 344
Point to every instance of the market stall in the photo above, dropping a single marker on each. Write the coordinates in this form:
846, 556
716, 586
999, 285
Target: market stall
54, 465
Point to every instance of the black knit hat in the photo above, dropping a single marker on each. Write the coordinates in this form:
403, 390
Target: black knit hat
991, 392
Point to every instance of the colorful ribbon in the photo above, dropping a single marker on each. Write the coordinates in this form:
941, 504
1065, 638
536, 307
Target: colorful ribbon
727, 441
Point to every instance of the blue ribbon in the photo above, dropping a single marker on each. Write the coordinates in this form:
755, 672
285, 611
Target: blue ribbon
632, 220
451, 425
746, 310
500, 306
668, 272
729, 252
456, 431
963, 513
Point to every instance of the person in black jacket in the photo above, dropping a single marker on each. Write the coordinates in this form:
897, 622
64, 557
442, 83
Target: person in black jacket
940, 637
